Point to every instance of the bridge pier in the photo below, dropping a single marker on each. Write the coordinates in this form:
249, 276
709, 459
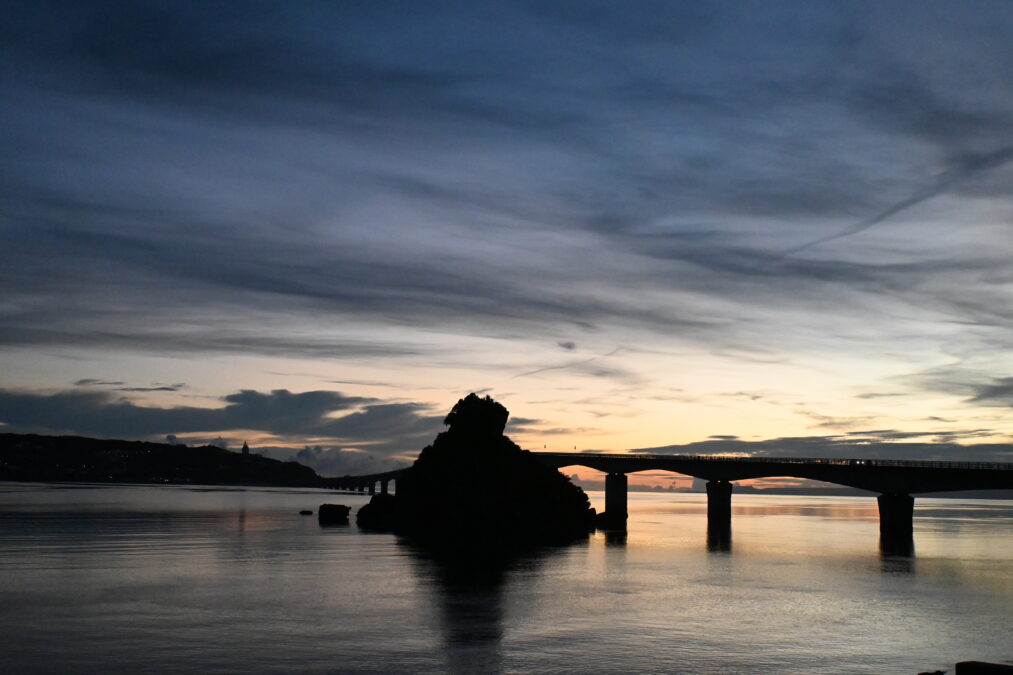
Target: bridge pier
383, 487
896, 523
719, 503
719, 515
372, 487
615, 501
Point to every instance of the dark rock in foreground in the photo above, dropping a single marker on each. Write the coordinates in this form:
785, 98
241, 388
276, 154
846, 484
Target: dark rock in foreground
331, 514
382, 513
604, 521
473, 485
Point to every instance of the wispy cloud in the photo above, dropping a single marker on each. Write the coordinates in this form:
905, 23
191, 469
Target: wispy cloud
596, 366
187, 180
968, 168
997, 392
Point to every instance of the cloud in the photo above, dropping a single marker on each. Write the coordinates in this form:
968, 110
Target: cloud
116, 385
997, 392
969, 166
966, 379
832, 422
155, 387
388, 428
335, 462
332, 461
596, 366
875, 444
750, 395
873, 395
186, 179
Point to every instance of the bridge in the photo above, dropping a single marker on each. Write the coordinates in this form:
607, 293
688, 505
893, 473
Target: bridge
896, 481
364, 483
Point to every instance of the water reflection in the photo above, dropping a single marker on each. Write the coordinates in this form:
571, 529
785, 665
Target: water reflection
719, 537
852, 510
897, 564
469, 589
615, 537
124, 575
896, 546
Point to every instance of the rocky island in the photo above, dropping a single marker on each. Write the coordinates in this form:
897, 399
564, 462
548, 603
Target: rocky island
474, 485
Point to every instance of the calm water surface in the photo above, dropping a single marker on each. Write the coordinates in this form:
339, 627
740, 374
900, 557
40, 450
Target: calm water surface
170, 579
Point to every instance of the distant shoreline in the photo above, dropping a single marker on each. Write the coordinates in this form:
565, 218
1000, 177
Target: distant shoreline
74, 459
741, 490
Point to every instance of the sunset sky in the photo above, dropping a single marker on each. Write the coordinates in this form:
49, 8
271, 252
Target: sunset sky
762, 227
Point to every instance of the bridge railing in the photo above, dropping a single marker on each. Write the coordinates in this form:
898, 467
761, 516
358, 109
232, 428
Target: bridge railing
830, 461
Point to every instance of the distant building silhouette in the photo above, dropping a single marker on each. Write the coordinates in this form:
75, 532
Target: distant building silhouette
246, 449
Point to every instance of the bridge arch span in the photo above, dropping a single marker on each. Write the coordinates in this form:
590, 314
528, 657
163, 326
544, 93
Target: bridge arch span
895, 481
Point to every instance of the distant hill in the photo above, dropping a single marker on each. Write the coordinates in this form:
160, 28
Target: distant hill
29, 457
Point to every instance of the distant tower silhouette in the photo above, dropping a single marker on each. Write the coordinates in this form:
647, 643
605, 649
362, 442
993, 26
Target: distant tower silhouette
246, 449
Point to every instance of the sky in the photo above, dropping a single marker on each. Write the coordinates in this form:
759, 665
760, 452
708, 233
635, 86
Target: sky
753, 227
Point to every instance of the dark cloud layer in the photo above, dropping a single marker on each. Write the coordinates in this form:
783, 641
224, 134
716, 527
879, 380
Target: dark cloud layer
385, 428
650, 114
117, 385
284, 178
968, 168
875, 444
997, 392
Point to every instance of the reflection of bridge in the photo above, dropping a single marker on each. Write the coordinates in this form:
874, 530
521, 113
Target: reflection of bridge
895, 481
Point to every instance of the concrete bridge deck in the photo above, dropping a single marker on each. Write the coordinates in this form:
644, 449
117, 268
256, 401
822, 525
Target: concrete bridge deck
895, 480
875, 475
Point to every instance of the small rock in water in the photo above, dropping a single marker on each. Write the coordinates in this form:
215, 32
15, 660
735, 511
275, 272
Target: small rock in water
333, 513
305, 512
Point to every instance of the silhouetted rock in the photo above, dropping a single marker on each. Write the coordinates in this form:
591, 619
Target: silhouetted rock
329, 514
474, 485
379, 514
477, 418
604, 521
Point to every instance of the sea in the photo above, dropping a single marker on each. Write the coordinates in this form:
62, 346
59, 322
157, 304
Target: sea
191, 579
